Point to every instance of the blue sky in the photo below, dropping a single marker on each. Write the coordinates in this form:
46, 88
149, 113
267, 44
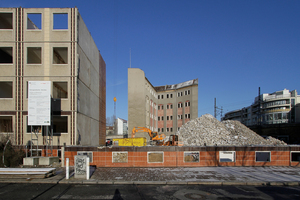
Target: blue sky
232, 47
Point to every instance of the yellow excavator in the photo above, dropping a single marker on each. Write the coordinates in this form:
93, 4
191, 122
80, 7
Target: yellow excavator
155, 138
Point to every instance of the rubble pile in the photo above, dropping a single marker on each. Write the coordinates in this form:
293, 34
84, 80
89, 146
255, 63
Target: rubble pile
208, 131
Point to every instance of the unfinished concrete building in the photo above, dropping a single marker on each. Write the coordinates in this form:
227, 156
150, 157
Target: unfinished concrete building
51, 44
163, 108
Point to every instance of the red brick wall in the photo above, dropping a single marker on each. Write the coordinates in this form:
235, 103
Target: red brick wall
174, 156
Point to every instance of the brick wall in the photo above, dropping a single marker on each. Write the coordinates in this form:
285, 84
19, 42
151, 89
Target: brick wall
184, 156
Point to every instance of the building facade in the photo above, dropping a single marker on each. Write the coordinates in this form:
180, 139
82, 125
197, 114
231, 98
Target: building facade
51, 44
163, 108
275, 108
121, 126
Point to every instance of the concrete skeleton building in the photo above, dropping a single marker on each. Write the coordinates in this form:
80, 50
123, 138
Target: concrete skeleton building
275, 108
51, 44
164, 108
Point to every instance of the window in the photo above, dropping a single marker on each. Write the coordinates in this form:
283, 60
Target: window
167, 96
162, 96
171, 117
227, 156
167, 129
6, 124
187, 104
162, 118
168, 118
35, 129
60, 55
179, 116
6, 89
162, 129
171, 129
158, 96
171, 95
60, 20
158, 130
34, 21
179, 105
6, 20
60, 90
190, 156
167, 106
6, 55
34, 55
295, 156
158, 118
162, 107
263, 156
60, 124
187, 116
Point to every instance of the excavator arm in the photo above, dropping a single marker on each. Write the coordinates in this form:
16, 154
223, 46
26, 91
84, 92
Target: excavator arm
152, 135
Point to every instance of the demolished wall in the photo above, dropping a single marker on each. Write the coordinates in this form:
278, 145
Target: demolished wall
208, 131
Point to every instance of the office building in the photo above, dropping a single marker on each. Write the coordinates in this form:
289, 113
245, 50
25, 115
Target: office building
163, 109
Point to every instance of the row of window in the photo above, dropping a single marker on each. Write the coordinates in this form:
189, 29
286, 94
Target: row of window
59, 90
179, 94
59, 123
34, 55
161, 118
34, 21
160, 130
274, 103
230, 156
170, 106
275, 116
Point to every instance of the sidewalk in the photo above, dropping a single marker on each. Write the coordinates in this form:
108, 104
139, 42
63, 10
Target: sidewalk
200, 175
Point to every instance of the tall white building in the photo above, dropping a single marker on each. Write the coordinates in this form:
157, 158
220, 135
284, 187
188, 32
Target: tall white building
275, 108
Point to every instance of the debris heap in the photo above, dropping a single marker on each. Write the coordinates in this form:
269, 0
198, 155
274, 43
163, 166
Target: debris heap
208, 131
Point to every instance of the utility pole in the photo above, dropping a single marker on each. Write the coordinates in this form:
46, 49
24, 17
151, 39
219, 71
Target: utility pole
217, 110
259, 113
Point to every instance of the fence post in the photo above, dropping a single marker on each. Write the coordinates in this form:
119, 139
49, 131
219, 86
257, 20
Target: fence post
67, 168
87, 168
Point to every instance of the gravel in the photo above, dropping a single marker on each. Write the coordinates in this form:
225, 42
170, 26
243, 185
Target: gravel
208, 131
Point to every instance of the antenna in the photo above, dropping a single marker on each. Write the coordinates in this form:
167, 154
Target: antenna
130, 57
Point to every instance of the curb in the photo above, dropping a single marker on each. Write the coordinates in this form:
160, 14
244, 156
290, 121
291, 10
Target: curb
98, 182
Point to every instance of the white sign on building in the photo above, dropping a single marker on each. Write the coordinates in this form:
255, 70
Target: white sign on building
39, 103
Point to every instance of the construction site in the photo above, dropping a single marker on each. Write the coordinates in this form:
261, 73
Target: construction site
204, 141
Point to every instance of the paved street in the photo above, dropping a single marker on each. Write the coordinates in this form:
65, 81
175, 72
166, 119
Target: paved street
199, 175
161, 184
145, 192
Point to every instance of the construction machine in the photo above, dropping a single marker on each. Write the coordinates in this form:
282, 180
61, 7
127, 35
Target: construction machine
173, 141
155, 138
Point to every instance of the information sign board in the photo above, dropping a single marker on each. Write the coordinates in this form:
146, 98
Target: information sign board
39, 103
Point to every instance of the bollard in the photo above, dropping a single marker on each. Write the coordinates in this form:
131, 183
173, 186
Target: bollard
67, 168
87, 168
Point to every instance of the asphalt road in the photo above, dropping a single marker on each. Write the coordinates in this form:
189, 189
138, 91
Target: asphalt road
146, 192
